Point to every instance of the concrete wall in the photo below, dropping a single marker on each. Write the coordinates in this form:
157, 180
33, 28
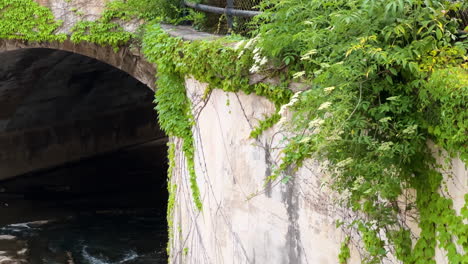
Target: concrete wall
245, 220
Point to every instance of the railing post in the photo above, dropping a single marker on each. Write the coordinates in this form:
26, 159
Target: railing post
229, 17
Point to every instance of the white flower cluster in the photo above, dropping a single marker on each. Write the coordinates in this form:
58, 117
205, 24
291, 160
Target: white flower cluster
316, 123
299, 74
344, 163
246, 46
293, 100
386, 146
284, 108
324, 105
345, 195
239, 44
329, 89
308, 55
258, 60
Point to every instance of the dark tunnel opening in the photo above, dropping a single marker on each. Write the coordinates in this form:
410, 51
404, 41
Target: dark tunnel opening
82, 162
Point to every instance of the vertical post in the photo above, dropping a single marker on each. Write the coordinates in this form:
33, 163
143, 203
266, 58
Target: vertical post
229, 7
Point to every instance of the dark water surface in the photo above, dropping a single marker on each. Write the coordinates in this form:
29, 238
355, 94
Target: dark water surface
105, 210
92, 238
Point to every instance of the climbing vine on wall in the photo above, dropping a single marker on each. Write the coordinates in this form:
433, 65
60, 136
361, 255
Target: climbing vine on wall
171, 189
105, 31
209, 62
385, 77
27, 20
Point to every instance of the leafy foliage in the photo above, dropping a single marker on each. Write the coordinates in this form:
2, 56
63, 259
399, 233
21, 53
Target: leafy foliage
104, 31
265, 124
385, 77
209, 62
171, 189
345, 253
107, 29
173, 106
27, 20
161, 10
446, 94
100, 32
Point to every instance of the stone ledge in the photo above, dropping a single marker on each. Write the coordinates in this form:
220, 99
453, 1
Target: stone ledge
188, 33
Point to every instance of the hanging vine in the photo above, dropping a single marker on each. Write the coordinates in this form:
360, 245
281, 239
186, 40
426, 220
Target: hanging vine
385, 78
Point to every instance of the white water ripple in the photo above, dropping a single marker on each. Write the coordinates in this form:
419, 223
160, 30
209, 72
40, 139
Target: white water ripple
131, 255
24, 225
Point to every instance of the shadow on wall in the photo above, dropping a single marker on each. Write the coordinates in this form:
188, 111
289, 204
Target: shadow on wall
57, 107
127, 181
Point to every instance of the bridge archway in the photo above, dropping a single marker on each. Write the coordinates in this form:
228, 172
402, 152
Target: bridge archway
62, 102
79, 144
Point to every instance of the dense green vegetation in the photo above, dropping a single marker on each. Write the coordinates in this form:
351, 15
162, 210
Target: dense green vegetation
26, 20
385, 78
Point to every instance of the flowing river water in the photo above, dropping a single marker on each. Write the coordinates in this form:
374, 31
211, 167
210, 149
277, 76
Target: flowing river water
105, 210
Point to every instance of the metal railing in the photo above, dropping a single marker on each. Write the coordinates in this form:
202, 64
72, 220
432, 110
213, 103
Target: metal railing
464, 18
238, 13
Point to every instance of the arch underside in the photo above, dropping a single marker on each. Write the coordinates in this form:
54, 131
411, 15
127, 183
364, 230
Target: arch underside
58, 106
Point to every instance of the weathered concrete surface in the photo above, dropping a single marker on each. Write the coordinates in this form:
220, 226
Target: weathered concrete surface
245, 220
58, 107
188, 33
73, 11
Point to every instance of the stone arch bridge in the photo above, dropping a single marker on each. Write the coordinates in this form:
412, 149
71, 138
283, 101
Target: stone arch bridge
61, 102
38, 78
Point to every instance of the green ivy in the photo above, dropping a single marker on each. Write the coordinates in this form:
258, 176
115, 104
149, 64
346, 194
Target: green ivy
161, 10
27, 20
265, 124
206, 61
345, 253
173, 106
444, 101
385, 77
171, 189
105, 31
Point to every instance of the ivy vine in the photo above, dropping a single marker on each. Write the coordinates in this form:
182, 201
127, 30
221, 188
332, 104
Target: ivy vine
206, 61
27, 20
171, 189
385, 77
